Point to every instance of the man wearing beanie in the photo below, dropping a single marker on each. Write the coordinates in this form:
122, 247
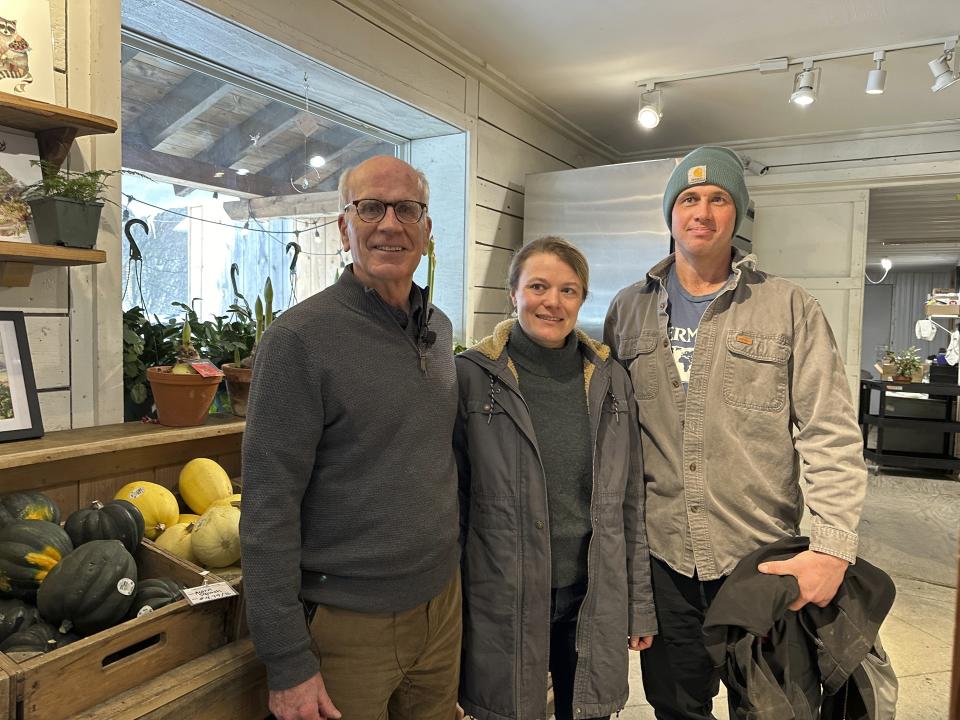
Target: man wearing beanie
739, 384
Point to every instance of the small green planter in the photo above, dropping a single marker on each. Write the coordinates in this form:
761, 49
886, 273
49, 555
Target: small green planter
61, 221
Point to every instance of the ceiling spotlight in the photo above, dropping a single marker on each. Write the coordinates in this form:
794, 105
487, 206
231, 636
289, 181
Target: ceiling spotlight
242, 171
877, 78
218, 174
885, 263
317, 161
651, 107
805, 84
943, 75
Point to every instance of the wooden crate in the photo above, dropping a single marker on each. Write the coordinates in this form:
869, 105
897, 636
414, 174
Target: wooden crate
227, 684
8, 690
63, 683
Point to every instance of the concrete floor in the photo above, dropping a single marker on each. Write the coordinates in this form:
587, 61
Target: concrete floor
909, 528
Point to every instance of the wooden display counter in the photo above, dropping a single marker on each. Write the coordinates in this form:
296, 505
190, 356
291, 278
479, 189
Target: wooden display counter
225, 680
76, 467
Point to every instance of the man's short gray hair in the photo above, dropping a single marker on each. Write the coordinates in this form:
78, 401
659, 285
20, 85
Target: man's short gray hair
343, 185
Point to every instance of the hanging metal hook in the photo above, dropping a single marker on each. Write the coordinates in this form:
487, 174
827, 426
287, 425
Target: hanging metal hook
234, 271
296, 254
135, 253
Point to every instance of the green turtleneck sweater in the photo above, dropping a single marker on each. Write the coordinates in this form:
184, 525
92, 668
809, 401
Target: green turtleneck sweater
551, 381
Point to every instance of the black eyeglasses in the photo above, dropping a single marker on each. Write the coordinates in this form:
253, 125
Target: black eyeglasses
373, 211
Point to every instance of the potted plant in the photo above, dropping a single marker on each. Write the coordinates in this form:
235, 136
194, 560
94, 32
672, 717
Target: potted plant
66, 205
908, 366
240, 371
184, 391
145, 343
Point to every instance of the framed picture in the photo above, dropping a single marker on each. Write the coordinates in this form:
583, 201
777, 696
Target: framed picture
26, 49
19, 406
16, 173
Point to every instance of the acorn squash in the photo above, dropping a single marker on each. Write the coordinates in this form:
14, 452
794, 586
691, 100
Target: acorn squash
156, 504
153, 594
177, 540
216, 536
28, 506
114, 520
201, 482
29, 549
91, 589
16, 615
40, 637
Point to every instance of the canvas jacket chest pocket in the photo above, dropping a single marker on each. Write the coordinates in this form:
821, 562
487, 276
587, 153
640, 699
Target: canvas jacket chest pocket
755, 370
638, 356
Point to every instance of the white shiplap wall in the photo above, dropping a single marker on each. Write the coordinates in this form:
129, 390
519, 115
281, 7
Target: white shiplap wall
73, 315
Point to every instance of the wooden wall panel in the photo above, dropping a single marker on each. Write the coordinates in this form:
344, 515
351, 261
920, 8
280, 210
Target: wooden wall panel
506, 161
47, 292
498, 111
490, 266
49, 338
490, 300
499, 230
495, 197
55, 410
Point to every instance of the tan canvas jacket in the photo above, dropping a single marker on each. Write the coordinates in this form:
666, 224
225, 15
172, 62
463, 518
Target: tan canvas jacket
767, 400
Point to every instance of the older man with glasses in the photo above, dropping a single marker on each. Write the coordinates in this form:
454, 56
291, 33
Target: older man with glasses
349, 529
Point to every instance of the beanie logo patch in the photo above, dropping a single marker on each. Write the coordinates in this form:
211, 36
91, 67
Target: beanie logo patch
697, 174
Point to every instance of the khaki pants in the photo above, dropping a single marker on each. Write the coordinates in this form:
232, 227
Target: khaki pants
392, 666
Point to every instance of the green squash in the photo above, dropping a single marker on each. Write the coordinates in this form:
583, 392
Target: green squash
91, 589
28, 506
114, 520
40, 637
29, 549
16, 615
153, 594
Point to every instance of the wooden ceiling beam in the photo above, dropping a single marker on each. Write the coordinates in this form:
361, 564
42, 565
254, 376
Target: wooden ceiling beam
193, 96
236, 143
325, 143
190, 172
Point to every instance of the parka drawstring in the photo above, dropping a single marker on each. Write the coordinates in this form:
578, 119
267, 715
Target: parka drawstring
616, 405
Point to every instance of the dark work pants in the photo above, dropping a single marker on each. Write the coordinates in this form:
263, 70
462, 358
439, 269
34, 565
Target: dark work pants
564, 607
678, 677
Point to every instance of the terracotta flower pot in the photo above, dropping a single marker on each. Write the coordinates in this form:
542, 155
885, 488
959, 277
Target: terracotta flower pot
238, 387
182, 400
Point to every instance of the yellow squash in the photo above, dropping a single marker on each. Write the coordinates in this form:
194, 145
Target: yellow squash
155, 502
233, 500
216, 537
178, 539
201, 482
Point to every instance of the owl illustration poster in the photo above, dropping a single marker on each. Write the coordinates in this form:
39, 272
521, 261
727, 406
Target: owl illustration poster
16, 173
26, 49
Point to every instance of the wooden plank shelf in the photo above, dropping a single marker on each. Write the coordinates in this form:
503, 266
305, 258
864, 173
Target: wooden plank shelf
55, 126
36, 116
17, 260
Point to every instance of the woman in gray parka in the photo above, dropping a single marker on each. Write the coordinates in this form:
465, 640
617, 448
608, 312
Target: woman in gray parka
556, 572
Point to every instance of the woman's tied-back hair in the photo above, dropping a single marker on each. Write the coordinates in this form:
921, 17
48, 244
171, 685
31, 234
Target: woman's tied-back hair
551, 245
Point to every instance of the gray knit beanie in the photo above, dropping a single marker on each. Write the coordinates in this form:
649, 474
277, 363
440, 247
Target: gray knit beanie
708, 165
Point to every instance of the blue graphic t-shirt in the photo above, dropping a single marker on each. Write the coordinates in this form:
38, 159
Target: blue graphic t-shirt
684, 312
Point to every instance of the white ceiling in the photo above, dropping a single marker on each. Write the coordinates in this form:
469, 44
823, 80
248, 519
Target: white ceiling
584, 59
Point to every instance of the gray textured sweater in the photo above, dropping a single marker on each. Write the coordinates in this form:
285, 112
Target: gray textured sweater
349, 480
551, 381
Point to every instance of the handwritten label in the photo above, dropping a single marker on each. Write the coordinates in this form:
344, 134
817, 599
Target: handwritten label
205, 368
206, 593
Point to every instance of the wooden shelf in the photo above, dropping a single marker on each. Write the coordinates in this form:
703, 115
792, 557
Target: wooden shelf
17, 260
35, 116
55, 126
